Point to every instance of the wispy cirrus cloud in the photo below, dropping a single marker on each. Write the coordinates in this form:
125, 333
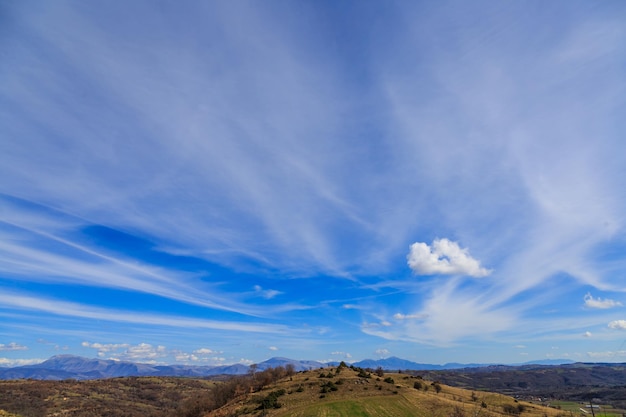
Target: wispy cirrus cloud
51, 253
400, 316
267, 294
245, 141
195, 127
607, 354
27, 302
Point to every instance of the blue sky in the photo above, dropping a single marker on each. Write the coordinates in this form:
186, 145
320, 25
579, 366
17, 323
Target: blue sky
223, 182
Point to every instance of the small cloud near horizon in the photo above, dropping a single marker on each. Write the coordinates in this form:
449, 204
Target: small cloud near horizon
12, 346
382, 352
345, 355
10, 363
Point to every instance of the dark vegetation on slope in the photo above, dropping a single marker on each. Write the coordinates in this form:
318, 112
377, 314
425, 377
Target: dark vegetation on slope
117, 397
130, 396
575, 382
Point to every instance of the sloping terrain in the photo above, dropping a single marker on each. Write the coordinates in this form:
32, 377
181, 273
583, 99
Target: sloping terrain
579, 381
353, 392
279, 392
117, 397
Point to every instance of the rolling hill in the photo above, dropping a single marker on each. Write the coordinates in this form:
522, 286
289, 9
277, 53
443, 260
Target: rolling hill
277, 392
353, 392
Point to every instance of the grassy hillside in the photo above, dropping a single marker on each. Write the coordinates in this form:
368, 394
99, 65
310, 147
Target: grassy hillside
278, 392
117, 397
343, 392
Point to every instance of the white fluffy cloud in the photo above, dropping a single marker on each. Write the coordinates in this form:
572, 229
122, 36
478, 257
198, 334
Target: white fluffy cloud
443, 257
618, 325
6, 362
124, 351
600, 303
587, 334
198, 355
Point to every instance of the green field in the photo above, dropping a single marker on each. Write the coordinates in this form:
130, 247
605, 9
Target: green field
374, 406
575, 407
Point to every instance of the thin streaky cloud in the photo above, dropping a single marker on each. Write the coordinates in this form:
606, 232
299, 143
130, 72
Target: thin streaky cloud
25, 302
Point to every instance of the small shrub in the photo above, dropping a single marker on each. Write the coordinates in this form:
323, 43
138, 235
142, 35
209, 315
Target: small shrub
271, 400
511, 409
328, 387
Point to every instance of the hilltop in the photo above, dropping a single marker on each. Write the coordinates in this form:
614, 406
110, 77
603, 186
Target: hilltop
352, 391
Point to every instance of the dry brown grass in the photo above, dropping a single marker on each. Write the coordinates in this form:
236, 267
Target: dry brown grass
117, 397
357, 396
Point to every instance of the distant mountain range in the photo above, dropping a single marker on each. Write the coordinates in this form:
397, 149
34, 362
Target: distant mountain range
75, 367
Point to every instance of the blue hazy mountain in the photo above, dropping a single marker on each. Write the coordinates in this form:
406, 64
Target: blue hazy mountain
75, 367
